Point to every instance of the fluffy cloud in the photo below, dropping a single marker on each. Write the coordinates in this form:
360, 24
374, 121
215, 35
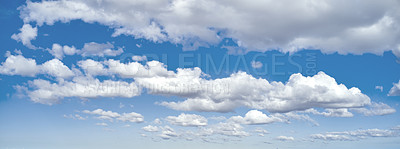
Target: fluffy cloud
219, 95
284, 138
19, 65
59, 51
255, 117
299, 93
45, 92
27, 33
150, 128
395, 90
89, 49
139, 58
332, 26
111, 116
355, 135
187, 120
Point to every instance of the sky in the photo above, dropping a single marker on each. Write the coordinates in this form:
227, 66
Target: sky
199, 74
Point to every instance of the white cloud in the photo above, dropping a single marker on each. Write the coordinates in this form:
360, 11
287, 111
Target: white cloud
284, 138
89, 49
45, 92
27, 33
111, 116
261, 132
56, 68
355, 135
379, 88
150, 128
92, 68
19, 65
75, 117
100, 49
102, 124
254, 117
59, 51
331, 26
241, 89
187, 120
226, 129
131, 117
139, 58
376, 109
341, 112
256, 64
167, 133
395, 90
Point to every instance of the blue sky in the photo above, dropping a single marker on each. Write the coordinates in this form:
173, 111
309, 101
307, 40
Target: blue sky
178, 74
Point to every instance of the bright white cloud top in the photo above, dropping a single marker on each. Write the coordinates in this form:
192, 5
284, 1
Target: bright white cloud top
331, 26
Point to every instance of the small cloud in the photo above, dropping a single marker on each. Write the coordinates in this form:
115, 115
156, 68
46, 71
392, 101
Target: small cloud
102, 124
139, 58
379, 88
138, 45
285, 138
256, 64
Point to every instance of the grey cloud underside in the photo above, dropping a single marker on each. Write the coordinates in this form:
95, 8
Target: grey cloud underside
331, 26
201, 94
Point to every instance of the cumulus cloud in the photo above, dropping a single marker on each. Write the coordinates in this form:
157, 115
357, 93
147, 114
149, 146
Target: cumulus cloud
111, 116
89, 49
284, 138
395, 90
220, 95
187, 120
19, 65
255, 117
59, 51
150, 128
379, 88
27, 33
139, 58
331, 26
355, 135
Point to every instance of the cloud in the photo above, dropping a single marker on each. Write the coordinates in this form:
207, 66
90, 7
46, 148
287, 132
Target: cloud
27, 33
342, 112
167, 133
355, 135
379, 88
100, 49
75, 117
150, 128
187, 120
218, 95
260, 131
284, 138
111, 116
59, 51
395, 90
254, 117
332, 26
241, 89
102, 124
376, 109
89, 49
256, 64
19, 65
45, 92
139, 58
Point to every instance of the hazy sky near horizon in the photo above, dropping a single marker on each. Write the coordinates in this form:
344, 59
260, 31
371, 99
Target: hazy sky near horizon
199, 74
